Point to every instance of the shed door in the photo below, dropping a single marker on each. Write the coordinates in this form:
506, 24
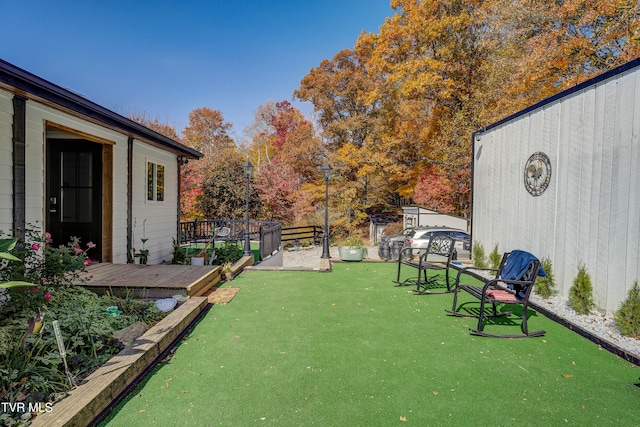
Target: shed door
74, 193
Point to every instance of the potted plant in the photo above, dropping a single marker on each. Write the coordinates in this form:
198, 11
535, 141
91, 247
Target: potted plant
352, 249
200, 257
143, 254
197, 259
227, 273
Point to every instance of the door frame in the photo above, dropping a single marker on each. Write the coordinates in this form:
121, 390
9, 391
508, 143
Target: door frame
106, 194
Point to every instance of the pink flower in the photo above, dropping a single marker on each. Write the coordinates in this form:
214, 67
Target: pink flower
35, 247
47, 296
77, 250
91, 245
34, 290
88, 262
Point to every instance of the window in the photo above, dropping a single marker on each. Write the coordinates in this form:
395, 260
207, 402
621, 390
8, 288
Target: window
155, 182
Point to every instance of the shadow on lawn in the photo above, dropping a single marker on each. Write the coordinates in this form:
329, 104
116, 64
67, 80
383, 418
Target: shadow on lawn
507, 311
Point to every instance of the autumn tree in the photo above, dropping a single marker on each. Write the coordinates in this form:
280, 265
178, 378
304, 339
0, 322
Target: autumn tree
224, 192
260, 131
287, 154
207, 128
155, 124
336, 88
281, 193
295, 142
401, 107
208, 132
542, 48
349, 123
431, 57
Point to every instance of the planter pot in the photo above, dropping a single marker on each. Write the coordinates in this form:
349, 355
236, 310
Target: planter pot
197, 260
350, 253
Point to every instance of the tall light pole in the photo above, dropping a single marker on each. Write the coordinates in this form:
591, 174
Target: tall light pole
326, 172
248, 170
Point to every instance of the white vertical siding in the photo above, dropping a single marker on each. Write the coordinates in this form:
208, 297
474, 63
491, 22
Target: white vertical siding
34, 164
590, 213
161, 217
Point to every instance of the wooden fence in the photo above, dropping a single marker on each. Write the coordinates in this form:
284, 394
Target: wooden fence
310, 233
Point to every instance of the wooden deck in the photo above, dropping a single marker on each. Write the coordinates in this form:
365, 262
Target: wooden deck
152, 281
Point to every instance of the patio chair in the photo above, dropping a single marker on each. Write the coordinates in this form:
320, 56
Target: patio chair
437, 256
512, 284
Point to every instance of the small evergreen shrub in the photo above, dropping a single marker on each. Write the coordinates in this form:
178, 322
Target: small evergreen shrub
581, 293
627, 318
546, 286
478, 256
179, 255
495, 257
229, 252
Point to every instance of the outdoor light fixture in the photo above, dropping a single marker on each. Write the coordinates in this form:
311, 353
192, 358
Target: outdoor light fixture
326, 172
248, 170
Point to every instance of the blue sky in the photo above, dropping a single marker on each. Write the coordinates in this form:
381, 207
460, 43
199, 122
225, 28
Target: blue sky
166, 58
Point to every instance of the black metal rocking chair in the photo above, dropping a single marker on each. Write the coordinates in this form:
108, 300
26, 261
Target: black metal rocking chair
513, 283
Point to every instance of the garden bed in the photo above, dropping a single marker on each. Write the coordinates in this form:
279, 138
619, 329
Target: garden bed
104, 386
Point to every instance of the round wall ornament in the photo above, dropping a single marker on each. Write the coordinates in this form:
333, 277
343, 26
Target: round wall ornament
537, 173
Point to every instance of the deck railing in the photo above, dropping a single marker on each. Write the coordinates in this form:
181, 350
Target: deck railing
202, 230
270, 240
269, 233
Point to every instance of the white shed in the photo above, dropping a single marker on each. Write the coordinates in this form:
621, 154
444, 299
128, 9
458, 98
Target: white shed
416, 216
561, 180
74, 168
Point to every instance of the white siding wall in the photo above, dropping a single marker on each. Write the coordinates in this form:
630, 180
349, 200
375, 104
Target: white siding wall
590, 213
6, 162
162, 217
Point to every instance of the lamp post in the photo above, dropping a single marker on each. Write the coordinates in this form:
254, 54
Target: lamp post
326, 172
248, 169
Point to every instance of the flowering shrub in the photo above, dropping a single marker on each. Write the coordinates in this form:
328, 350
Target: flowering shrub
45, 265
31, 368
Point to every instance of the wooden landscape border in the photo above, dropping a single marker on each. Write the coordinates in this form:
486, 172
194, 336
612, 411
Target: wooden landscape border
100, 389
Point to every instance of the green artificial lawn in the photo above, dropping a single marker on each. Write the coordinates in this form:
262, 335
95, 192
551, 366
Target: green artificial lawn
349, 348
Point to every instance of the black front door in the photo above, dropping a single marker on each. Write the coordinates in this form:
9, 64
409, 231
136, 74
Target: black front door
74, 193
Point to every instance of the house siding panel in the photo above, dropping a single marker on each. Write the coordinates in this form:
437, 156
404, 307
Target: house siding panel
164, 217
73, 116
590, 212
154, 220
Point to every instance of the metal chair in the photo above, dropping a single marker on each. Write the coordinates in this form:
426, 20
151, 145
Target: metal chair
512, 284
